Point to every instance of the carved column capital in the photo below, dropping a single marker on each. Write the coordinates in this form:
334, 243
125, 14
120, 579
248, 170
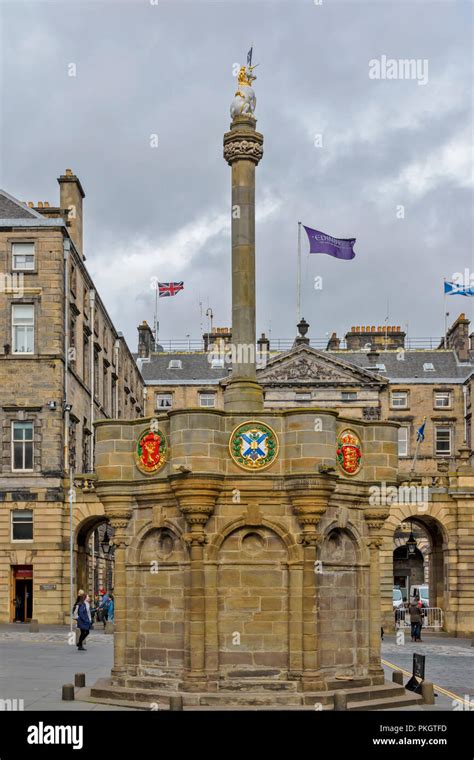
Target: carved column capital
243, 142
196, 497
309, 498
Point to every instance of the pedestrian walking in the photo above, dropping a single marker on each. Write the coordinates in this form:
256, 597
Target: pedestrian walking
415, 621
111, 609
83, 623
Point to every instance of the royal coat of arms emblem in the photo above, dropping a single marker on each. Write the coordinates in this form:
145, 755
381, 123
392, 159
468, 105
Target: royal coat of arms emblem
253, 446
151, 451
348, 453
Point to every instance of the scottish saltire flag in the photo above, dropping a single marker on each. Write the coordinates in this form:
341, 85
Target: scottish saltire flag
169, 288
456, 290
249, 57
340, 248
420, 433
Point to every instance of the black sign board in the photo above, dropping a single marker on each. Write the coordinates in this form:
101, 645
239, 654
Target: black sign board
414, 684
48, 587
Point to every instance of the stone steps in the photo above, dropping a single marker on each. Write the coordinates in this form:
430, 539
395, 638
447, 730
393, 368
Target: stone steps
384, 696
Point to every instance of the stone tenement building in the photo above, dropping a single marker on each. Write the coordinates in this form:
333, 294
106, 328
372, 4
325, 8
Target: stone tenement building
63, 366
375, 376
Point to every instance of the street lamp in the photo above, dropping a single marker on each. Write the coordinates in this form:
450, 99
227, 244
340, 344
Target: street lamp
105, 543
411, 543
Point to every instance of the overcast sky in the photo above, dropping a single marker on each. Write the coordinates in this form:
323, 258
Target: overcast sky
167, 69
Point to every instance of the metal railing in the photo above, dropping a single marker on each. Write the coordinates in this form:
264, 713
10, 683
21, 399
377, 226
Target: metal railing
284, 344
432, 618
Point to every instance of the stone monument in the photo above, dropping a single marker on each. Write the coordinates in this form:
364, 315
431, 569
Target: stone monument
247, 553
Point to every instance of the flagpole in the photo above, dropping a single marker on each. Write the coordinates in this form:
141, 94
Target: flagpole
445, 317
298, 279
156, 315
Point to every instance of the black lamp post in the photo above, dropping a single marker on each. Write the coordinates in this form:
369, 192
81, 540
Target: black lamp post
411, 543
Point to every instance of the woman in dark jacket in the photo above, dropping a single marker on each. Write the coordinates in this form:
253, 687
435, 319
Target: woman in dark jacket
415, 620
83, 623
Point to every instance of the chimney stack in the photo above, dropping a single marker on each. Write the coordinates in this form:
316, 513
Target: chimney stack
71, 195
146, 340
458, 338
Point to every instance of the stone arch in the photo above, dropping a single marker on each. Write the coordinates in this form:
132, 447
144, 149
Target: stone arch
252, 599
86, 519
360, 545
342, 603
438, 521
293, 549
135, 546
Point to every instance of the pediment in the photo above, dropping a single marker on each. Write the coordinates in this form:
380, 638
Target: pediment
307, 365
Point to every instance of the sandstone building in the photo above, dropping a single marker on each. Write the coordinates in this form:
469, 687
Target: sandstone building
63, 366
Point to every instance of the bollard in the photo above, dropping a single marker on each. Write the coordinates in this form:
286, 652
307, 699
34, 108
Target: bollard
79, 680
109, 627
176, 703
397, 677
34, 627
340, 701
68, 692
427, 692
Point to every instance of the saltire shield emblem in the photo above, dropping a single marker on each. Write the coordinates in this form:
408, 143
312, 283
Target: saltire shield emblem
253, 445
151, 451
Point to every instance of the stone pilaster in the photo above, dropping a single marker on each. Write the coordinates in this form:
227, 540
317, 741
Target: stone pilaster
243, 149
310, 498
375, 519
196, 499
119, 513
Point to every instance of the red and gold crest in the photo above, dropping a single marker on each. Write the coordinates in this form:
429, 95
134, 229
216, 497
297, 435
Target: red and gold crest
349, 454
151, 450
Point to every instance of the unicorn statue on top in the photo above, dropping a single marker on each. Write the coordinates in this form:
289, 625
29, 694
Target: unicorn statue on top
244, 101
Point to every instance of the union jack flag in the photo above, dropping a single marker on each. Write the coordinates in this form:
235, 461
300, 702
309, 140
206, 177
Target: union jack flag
169, 288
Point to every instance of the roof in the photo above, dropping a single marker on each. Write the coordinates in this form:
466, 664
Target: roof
410, 369
196, 367
14, 213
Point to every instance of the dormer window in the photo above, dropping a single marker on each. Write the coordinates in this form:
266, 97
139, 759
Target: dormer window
217, 363
381, 367
175, 364
428, 367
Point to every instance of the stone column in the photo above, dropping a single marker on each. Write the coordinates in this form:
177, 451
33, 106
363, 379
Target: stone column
119, 518
196, 498
242, 151
375, 520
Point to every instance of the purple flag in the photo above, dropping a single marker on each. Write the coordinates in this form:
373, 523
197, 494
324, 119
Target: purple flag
321, 243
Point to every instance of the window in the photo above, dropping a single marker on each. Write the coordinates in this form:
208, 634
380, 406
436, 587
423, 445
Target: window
175, 364
114, 398
86, 360
164, 400
428, 367
23, 257
73, 279
399, 399
96, 374
403, 442
381, 367
217, 362
22, 446
72, 337
348, 396
22, 525
207, 399
23, 327
443, 441
105, 394
442, 399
